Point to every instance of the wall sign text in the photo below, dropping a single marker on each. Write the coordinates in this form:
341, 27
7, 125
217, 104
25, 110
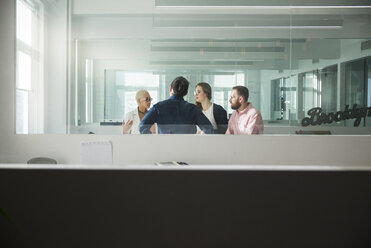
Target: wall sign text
317, 117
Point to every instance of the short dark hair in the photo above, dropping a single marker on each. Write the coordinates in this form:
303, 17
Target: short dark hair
242, 91
180, 86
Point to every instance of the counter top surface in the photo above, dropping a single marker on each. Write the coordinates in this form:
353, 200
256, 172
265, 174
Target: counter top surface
188, 167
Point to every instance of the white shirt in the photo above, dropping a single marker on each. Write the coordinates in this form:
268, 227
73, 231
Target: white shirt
133, 115
209, 113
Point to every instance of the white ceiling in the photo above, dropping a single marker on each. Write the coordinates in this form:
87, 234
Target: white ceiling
93, 7
233, 35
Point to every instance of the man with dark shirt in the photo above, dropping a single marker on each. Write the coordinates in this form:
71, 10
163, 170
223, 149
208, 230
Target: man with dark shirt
174, 115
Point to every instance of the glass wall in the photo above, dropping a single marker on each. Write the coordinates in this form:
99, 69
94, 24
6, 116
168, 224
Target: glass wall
357, 87
319, 89
284, 99
121, 87
292, 60
306, 65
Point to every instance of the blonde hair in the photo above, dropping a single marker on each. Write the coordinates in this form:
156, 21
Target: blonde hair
140, 94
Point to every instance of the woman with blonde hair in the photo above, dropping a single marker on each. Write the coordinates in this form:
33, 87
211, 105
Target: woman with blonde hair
214, 112
133, 118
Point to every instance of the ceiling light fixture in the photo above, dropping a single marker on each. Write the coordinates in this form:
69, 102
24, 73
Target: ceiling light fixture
255, 27
208, 60
263, 7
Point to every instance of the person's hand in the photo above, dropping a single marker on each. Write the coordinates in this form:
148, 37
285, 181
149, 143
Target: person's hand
126, 126
153, 129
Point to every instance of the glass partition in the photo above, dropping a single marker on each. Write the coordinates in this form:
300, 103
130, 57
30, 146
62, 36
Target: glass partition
319, 89
120, 88
306, 66
291, 62
284, 99
357, 87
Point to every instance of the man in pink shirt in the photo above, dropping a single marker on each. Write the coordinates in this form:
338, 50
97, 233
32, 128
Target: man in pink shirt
245, 119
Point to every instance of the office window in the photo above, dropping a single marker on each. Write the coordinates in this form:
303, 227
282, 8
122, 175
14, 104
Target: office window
320, 89
278, 99
221, 84
24, 22
121, 88
29, 76
284, 99
358, 86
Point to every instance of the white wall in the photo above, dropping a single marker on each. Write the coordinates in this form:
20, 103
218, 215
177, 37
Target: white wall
306, 150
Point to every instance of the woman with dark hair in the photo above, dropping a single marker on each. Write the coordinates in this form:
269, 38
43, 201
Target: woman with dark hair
214, 112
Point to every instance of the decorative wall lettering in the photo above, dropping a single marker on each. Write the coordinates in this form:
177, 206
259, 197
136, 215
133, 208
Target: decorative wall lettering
317, 117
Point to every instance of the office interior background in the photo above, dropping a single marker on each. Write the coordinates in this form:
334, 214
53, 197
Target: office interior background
69, 66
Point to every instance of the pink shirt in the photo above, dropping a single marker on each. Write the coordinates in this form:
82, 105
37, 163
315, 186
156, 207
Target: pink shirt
247, 121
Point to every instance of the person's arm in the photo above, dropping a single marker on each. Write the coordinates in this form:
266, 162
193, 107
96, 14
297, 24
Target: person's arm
148, 120
230, 128
153, 129
126, 126
127, 123
255, 124
204, 123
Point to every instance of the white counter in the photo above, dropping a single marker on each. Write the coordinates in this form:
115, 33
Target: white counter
188, 167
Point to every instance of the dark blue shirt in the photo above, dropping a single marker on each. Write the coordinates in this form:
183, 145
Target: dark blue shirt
175, 116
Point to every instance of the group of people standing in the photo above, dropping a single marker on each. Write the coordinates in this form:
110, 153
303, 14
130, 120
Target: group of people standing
177, 116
